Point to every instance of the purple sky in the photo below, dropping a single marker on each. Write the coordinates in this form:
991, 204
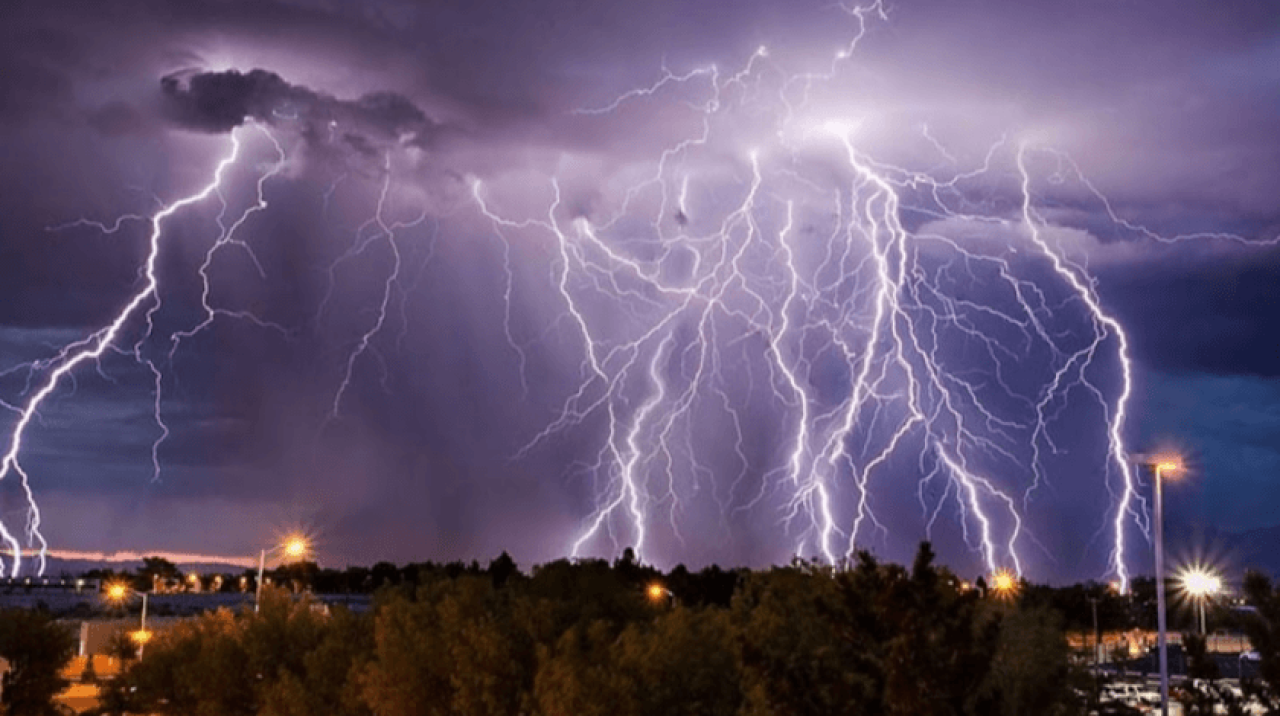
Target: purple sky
1168, 110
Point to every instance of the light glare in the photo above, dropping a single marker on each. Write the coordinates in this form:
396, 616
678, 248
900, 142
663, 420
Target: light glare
1199, 582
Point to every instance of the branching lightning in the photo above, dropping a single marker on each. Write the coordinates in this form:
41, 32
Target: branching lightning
903, 331
143, 304
889, 349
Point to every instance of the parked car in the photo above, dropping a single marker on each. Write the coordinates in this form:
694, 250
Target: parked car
1135, 695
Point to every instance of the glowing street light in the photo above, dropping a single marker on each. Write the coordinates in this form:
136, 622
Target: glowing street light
1161, 466
657, 592
118, 593
1004, 585
294, 547
1200, 584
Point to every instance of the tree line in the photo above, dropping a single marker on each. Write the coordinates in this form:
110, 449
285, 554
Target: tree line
621, 639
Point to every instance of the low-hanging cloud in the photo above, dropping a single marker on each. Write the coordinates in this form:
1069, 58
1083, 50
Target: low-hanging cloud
218, 102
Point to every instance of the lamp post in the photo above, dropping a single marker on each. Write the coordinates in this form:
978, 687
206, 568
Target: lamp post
294, 547
1200, 584
1160, 466
1097, 651
118, 593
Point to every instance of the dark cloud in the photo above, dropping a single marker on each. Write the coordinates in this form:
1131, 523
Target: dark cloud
221, 101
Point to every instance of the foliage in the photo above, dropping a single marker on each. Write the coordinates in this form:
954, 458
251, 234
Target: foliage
460, 646
36, 649
288, 659
583, 637
793, 661
1029, 674
121, 647
683, 662
1264, 634
156, 568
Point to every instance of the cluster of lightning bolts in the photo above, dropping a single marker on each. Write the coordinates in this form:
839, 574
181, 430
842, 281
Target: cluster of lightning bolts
132, 331
867, 329
857, 295
799, 264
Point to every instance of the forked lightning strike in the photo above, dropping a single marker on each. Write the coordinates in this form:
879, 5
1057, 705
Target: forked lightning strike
91, 349
887, 350
903, 332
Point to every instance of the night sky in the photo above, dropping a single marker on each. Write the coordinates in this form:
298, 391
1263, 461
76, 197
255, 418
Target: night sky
432, 396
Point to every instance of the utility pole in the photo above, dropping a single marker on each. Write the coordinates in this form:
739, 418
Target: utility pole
1097, 647
1161, 637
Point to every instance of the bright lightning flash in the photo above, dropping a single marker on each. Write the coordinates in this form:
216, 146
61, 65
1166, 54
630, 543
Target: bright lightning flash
142, 306
766, 266
802, 279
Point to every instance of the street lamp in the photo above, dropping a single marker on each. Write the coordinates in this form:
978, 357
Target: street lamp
1004, 585
118, 593
1160, 466
1200, 584
294, 547
657, 592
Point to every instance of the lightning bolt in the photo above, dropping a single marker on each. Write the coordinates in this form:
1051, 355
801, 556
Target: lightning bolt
883, 345
902, 330
143, 304
387, 232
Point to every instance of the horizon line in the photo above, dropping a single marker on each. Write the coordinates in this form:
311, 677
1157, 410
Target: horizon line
121, 556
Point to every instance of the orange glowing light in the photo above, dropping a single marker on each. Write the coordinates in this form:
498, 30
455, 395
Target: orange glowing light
1166, 465
116, 591
140, 637
656, 591
1004, 584
296, 547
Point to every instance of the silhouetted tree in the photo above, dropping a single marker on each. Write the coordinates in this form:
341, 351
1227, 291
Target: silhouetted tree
1263, 629
156, 567
298, 576
37, 649
503, 569
684, 662
1029, 674
384, 574
121, 647
795, 660
452, 651
325, 677
198, 667
581, 637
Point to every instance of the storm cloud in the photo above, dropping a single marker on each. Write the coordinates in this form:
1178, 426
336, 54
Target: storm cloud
221, 101
1166, 110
